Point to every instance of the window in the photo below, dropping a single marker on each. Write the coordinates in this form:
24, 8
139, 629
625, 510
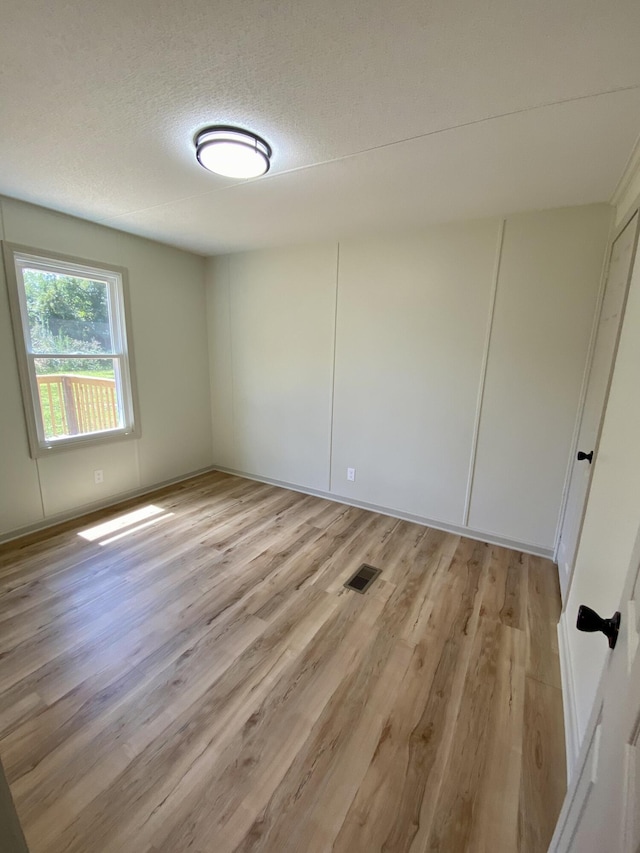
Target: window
70, 330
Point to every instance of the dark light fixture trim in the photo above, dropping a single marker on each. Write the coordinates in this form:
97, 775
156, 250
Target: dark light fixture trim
220, 139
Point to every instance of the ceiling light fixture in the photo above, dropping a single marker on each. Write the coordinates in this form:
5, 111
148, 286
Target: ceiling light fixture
232, 152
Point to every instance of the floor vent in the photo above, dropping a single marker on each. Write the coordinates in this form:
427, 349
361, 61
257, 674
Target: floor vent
363, 578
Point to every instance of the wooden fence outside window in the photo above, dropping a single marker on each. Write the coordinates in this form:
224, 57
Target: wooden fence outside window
73, 404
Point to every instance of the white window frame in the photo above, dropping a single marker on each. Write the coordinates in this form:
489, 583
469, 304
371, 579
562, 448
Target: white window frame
17, 258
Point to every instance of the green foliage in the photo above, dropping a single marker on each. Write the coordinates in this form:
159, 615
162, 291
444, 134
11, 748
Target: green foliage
67, 315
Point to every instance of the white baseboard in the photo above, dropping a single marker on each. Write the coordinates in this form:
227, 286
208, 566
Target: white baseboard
87, 509
568, 698
469, 532
564, 576
114, 500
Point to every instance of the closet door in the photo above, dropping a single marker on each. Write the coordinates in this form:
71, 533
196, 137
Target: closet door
547, 291
614, 299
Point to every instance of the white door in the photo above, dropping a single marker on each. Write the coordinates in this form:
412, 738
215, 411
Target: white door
602, 808
618, 275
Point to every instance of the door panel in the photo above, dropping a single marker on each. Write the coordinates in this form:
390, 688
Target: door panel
632, 801
602, 808
631, 818
574, 828
618, 275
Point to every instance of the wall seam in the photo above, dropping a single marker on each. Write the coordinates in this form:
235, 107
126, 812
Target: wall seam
483, 374
207, 313
37, 463
136, 453
333, 371
234, 451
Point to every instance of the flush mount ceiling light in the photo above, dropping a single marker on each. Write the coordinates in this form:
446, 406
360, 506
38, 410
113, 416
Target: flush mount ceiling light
232, 152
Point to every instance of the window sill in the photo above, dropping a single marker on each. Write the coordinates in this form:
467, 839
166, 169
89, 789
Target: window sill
88, 440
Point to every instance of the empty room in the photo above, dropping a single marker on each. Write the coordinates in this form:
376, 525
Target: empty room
319, 419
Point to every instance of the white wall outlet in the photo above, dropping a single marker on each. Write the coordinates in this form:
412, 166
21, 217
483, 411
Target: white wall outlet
351, 474
98, 476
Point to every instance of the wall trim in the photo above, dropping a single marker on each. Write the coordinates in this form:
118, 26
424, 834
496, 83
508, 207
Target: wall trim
483, 374
565, 570
557, 556
114, 500
572, 742
619, 199
333, 370
88, 509
470, 533
584, 387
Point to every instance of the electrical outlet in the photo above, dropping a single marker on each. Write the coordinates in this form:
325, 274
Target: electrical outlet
351, 474
98, 476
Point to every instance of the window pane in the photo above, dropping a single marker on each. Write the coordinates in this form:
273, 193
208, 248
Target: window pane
67, 314
78, 396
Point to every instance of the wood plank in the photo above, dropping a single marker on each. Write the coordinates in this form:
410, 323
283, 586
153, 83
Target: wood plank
543, 780
207, 683
543, 612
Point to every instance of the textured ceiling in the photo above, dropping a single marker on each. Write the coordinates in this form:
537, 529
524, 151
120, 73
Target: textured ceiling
381, 114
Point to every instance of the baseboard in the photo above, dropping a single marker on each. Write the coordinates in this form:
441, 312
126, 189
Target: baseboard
564, 577
469, 532
568, 698
87, 509
114, 500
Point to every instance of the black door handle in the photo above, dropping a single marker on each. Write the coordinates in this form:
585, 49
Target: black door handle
588, 620
582, 456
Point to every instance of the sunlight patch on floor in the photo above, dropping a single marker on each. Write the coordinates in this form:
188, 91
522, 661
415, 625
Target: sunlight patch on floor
130, 530
125, 524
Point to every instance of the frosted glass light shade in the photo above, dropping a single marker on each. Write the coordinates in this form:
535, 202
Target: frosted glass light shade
232, 152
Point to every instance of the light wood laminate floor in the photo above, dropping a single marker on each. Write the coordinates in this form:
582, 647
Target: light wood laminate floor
200, 680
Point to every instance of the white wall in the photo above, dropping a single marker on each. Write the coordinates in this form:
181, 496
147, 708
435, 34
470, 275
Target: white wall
408, 366
550, 273
412, 320
170, 342
371, 355
272, 336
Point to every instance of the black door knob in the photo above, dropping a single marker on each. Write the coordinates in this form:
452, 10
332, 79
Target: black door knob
582, 456
588, 620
